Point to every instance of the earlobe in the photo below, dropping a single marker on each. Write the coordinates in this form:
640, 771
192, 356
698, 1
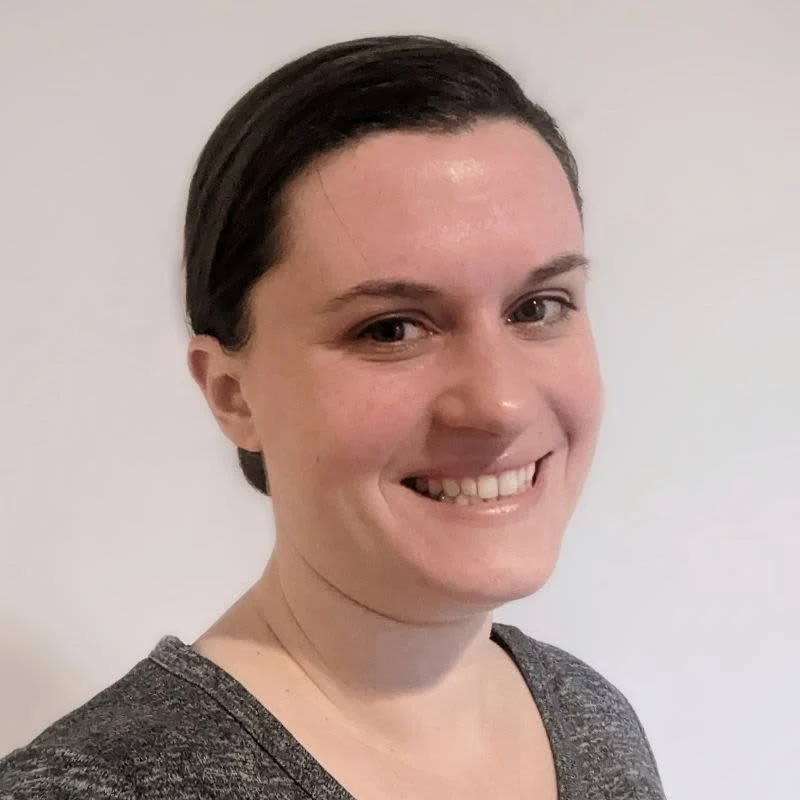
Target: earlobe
217, 374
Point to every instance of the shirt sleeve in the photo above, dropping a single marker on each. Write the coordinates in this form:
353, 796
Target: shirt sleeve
57, 773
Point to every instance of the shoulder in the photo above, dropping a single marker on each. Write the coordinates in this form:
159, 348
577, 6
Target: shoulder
588, 717
56, 772
580, 689
114, 742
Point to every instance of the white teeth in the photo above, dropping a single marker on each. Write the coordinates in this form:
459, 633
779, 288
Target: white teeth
469, 487
451, 487
475, 491
487, 487
508, 483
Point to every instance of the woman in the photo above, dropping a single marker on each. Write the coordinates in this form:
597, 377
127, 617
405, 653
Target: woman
386, 283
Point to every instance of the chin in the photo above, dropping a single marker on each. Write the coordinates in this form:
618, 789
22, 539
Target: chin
485, 586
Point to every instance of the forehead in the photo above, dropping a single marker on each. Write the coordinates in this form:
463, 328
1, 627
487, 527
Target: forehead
409, 200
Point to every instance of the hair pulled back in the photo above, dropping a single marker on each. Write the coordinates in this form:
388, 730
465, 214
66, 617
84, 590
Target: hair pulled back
318, 103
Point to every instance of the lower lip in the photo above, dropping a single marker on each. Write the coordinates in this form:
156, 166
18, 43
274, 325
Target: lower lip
500, 511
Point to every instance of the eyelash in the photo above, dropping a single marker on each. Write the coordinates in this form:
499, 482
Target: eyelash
567, 308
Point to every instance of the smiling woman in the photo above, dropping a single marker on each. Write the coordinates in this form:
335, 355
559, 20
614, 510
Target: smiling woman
386, 282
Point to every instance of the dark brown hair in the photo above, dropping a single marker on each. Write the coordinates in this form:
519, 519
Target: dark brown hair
314, 105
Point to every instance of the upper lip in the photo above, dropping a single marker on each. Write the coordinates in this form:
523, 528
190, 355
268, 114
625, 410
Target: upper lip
461, 469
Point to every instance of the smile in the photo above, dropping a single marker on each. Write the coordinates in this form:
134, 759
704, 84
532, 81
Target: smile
475, 490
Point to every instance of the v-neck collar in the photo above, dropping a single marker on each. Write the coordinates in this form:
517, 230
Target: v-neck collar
274, 738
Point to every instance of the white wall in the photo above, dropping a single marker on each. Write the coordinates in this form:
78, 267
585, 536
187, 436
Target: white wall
122, 513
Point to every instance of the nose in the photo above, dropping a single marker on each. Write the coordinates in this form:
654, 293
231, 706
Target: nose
489, 384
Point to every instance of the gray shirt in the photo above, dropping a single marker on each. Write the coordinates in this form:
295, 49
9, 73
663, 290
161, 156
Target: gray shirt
177, 726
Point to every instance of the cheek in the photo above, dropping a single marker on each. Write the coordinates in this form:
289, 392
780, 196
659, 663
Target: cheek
344, 420
578, 394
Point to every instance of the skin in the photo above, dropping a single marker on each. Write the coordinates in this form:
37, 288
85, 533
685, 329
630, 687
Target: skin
377, 602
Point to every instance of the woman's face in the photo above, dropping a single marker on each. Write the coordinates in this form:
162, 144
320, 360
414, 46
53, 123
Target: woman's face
429, 322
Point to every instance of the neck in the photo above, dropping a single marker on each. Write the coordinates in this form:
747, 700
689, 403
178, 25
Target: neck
393, 679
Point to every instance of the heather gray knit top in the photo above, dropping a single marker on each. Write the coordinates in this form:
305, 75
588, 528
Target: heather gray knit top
177, 726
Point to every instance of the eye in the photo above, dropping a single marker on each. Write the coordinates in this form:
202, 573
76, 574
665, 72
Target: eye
392, 330
542, 310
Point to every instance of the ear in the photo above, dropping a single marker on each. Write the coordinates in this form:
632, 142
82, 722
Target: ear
217, 373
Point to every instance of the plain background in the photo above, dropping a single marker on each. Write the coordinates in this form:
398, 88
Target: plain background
122, 512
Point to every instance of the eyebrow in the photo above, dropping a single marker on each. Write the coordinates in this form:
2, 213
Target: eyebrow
413, 290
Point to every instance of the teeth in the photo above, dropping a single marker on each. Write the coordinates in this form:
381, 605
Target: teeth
474, 491
451, 487
487, 487
508, 483
469, 487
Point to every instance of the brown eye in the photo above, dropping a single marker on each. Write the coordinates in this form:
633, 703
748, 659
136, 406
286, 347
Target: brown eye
392, 330
542, 310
